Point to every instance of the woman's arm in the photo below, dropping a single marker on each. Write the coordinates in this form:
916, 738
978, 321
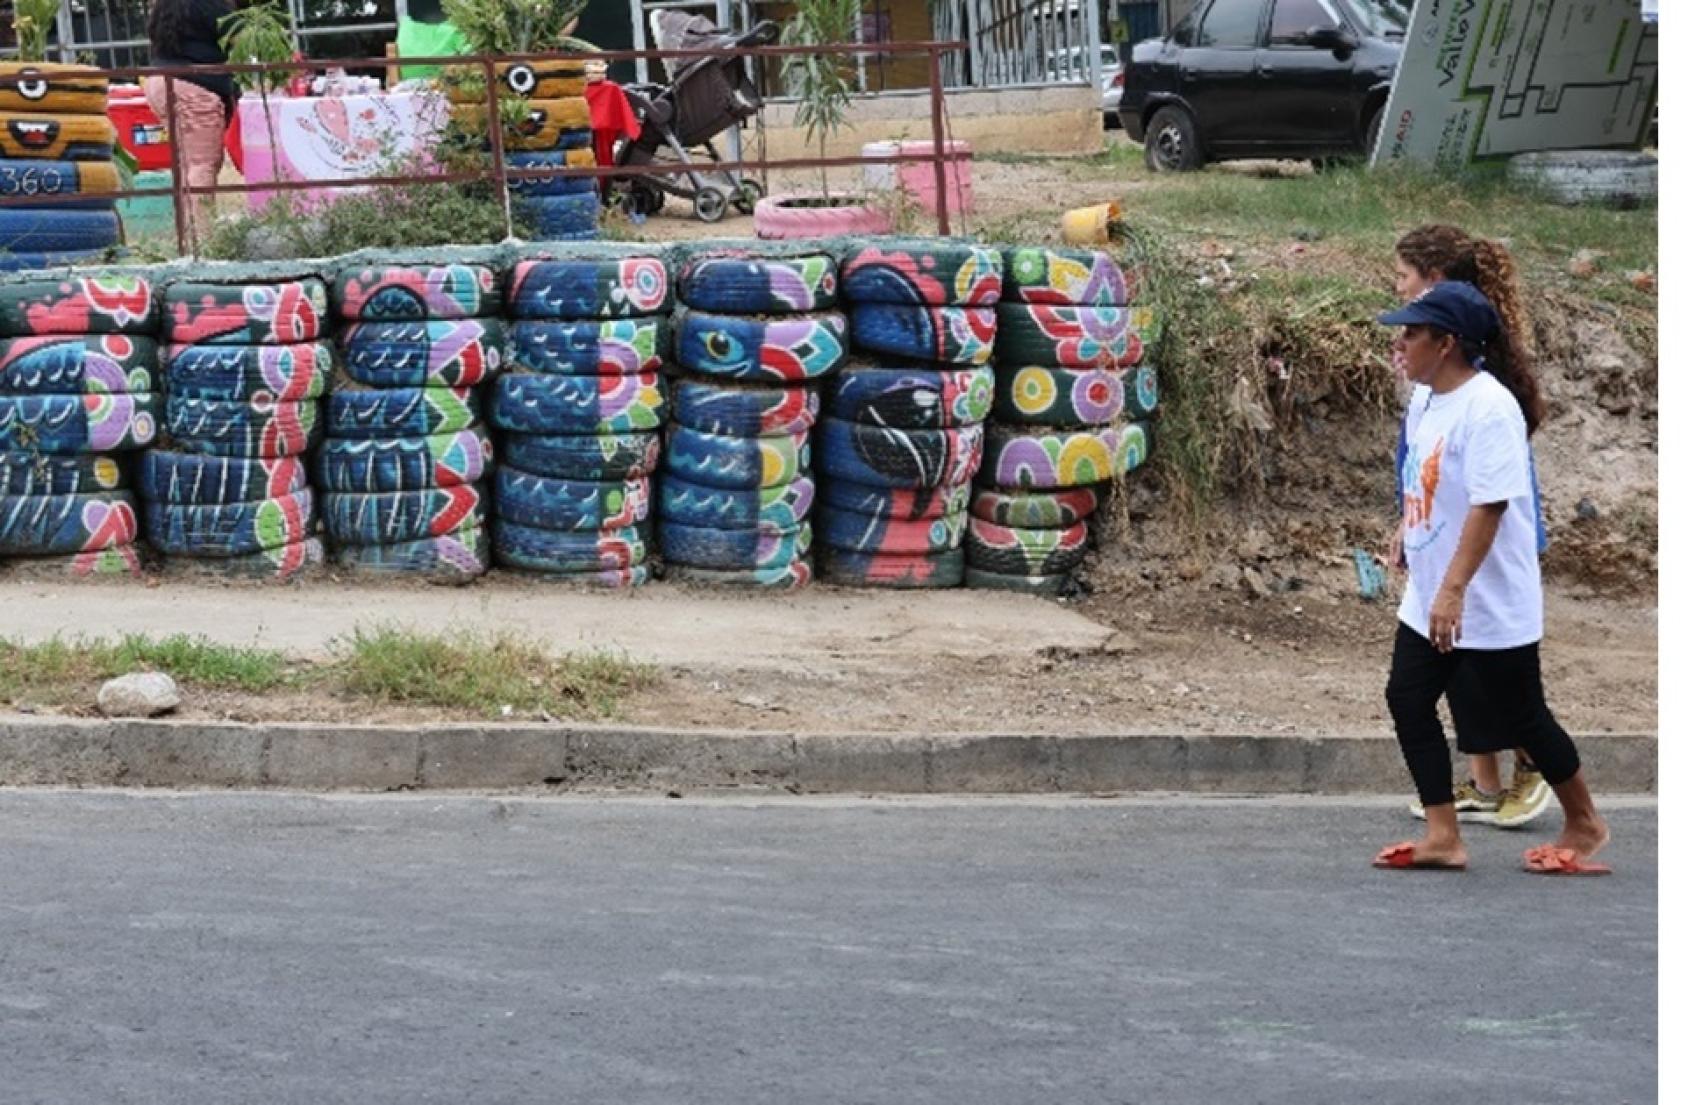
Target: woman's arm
1476, 537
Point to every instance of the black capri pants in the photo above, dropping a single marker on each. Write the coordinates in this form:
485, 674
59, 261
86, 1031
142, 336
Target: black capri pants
1510, 681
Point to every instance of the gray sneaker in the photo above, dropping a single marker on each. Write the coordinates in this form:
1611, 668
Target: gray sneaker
1471, 806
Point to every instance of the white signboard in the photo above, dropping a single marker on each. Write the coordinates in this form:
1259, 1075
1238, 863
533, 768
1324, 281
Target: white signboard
1481, 80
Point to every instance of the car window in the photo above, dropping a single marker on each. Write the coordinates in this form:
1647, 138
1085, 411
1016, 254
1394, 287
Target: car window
1292, 19
1233, 23
1380, 18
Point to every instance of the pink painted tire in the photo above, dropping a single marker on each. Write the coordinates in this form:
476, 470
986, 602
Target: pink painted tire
777, 217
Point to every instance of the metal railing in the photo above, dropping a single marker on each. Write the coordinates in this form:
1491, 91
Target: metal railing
498, 172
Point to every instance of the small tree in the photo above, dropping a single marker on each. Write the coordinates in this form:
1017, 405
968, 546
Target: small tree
32, 20
820, 82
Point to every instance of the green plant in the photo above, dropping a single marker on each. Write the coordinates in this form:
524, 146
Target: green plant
516, 26
258, 33
32, 19
820, 82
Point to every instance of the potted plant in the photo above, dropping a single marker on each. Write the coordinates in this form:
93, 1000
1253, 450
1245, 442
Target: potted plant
820, 82
256, 34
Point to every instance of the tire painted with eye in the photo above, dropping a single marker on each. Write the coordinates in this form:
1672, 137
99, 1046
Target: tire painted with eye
567, 218
297, 560
1060, 397
62, 424
1043, 459
374, 466
245, 372
1050, 586
867, 533
539, 80
882, 456
534, 403
402, 412
790, 350
944, 335
1067, 277
111, 562
417, 293
589, 347
914, 397
1074, 337
1035, 509
29, 135
453, 558
545, 550
230, 529
164, 476
736, 463
781, 507
545, 502
1012, 550
552, 159
97, 364
923, 272
235, 428
33, 230
589, 288
744, 284
78, 184
35, 473
285, 313
53, 87
396, 517
1142, 391
449, 354
845, 568
897, 504
92, 303
60, 525
744, 410
734, 550
584, 456
785, 577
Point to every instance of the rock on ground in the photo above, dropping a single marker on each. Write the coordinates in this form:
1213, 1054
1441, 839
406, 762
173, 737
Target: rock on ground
140, 694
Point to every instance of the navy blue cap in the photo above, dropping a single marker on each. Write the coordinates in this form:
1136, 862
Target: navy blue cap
1453, 306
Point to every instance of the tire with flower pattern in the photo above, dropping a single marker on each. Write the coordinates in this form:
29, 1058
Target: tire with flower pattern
244, 372
943, 335
1015, 550
93, 364
417, 293
283, 313
1067, 277
922, 271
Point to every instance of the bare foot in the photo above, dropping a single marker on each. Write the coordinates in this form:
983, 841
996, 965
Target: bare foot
1424, 853
1584, 837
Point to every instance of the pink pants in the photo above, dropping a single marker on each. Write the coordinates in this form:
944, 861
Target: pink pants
198, 130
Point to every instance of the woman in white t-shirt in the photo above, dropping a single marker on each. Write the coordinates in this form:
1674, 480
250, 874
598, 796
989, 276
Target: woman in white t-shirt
1473, 599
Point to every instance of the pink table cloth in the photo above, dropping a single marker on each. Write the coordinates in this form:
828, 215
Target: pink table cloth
338, 138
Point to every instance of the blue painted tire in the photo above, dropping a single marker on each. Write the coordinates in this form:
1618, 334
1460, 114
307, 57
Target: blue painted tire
733, 550
744, 410
589, 347
942, 335
537, 403
926, 271
569, 218
278, 565
915, 397
883, 456
718, 460
79, 304
845, 568
588, 288
792, 350
614, 578
111, 562
78, 423
549, 186
41, 230
371, 466
1047, 585
584, 456
95, 364
233, 428
230, 529
30, 473
545, 550
401, 412
391, 293
898, 504
79, 184
397, 517
867, 533
170, 477
741, 284
545, 502
244, 372
781, 507
60, 525
785, 577
449, 353
30, 262
454, 558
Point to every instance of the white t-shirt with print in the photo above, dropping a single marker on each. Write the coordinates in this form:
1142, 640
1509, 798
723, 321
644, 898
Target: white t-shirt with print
1465, 448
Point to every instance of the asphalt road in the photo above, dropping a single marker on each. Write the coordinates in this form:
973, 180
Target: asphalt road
276, 948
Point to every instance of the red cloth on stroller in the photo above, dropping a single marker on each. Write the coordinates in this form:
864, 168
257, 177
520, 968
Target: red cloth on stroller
612, 118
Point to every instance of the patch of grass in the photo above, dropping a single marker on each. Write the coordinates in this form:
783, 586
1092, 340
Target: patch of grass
411, 215
58, 670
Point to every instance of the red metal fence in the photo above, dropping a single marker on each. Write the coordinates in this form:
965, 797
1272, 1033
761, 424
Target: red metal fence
498, 172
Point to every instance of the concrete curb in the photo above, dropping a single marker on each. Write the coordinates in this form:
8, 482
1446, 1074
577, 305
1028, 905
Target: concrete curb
165, 753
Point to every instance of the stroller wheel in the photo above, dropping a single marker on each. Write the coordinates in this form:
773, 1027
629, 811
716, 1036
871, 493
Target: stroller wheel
710, 203
746, 195
642, 198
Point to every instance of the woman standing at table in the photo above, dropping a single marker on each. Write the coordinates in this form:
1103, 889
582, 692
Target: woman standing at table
186, 32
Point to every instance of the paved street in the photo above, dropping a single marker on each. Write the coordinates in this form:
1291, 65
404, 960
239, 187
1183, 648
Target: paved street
231, 948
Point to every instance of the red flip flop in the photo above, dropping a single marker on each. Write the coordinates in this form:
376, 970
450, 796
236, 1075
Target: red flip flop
1560, 863
1404, 856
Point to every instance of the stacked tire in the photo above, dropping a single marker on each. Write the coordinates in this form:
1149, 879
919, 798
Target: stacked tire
403, 468
78, 391
227, 493
1073, 385
756, 337
904, 426
580, 411
556, 133
55, 140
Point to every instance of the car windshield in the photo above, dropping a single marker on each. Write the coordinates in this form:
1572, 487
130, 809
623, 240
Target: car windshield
1379, 18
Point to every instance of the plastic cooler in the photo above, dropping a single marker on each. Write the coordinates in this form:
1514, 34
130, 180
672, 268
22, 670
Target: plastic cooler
138, 129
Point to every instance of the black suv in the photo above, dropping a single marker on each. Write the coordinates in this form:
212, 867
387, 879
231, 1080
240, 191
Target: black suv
1263, 78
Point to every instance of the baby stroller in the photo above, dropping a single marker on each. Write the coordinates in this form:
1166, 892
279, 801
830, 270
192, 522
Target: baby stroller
704, 97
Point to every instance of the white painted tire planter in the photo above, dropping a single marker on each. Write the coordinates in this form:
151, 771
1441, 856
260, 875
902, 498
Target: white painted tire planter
791, 216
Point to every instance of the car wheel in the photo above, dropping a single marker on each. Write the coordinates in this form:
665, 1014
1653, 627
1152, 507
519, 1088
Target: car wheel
1374, 126
1171, 143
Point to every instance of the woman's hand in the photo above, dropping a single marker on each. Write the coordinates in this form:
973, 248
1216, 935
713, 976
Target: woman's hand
1445, 612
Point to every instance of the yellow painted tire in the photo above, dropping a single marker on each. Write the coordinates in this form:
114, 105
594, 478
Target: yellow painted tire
547, 123
52, 89
539, 80
56, 138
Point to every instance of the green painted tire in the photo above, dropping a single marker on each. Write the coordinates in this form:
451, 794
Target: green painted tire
414, 293
1035, 509
91, 303
284, 313
1067, 277
922, 272
1060, 397
1074, 337
1016, 550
